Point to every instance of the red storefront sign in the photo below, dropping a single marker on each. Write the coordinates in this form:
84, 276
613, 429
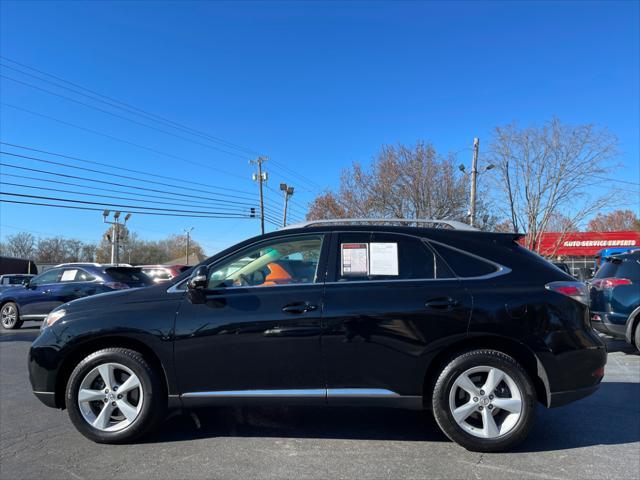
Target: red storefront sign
579, 244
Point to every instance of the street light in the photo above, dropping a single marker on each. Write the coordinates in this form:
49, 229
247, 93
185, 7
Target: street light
288, 191
114, 238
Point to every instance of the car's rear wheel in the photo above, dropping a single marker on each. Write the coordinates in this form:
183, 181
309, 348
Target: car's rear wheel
115, 396
10, 316
484, 401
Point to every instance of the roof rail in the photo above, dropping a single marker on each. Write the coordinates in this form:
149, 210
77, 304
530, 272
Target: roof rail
66, 264
453, 224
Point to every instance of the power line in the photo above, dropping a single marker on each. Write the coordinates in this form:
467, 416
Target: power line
93, 162
119, 205
128, 107
115, 103
74, 207
118, 139
230, 209
114, 175
122, 117
110, 190
51, 162
635, 184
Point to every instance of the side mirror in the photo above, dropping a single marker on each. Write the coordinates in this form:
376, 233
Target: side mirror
26, 283
198, 278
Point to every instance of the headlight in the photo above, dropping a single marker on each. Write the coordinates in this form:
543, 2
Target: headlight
53, 317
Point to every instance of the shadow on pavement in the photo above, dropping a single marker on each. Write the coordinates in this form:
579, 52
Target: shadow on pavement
609, 417
24, 334
617, 345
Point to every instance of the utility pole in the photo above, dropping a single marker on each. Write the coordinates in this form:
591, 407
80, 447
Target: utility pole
187, 232
115, 233
288, 192
260, 177
474, 175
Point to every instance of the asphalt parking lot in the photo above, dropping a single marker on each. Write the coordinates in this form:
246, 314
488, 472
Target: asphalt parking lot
598, 437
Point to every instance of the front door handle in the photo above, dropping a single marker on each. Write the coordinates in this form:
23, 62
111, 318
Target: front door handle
299, 308
442, 303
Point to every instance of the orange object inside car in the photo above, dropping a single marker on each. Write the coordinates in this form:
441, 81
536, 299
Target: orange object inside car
277, 275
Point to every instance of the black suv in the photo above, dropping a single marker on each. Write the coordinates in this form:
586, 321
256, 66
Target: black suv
468, 324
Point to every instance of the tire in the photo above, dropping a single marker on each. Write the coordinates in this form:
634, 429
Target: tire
137, 408
480, 424
10, 316
637, 337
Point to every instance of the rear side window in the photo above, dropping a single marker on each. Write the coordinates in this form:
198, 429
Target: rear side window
464, 265
620, 268
130, 276
385, 256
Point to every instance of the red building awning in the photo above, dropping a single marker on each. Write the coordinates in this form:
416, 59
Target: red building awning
579, 244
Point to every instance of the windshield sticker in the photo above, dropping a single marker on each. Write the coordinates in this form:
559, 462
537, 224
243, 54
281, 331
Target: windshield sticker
355, 259
384, 259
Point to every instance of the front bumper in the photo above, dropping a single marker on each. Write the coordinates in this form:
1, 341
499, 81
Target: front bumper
44, 365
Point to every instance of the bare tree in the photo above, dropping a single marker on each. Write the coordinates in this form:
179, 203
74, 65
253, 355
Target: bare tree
618, 220
546, 171
20, 245
403, 182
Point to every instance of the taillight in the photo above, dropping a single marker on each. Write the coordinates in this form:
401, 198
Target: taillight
116, 285
607, 283
576, 290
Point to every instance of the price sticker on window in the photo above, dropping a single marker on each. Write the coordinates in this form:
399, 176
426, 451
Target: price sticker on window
355, 259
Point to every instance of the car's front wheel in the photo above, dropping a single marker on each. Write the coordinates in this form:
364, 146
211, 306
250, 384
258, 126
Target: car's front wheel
115, 396
10, 316
485, 401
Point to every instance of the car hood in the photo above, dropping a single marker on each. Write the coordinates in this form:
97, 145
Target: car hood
114, 299
9, 290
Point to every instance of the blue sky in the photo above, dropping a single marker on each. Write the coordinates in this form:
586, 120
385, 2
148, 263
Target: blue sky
315, 86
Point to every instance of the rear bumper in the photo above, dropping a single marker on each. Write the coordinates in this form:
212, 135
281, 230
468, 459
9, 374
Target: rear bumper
558, 399
609, 323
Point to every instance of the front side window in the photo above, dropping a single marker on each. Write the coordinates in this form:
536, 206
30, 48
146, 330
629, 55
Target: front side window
283, 262
50, 276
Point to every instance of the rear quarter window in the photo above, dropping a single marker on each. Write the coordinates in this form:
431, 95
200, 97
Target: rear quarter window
463, 264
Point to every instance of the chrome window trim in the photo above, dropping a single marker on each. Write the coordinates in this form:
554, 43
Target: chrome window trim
500, 269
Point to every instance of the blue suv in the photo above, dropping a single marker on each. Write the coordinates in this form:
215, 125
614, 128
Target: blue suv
615, 297
64, 283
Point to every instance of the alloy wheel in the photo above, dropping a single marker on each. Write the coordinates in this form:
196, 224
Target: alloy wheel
486, 402
110, 397
9, 316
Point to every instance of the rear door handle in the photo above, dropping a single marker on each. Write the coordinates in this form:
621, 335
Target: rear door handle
442, 303
299, 308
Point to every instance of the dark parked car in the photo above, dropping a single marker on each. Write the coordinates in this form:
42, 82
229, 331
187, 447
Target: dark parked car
465, 323
615, 297
62, 284
14, 280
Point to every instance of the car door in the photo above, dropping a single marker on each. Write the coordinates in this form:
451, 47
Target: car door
254, 331
74, 283
389, 303
41, 295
